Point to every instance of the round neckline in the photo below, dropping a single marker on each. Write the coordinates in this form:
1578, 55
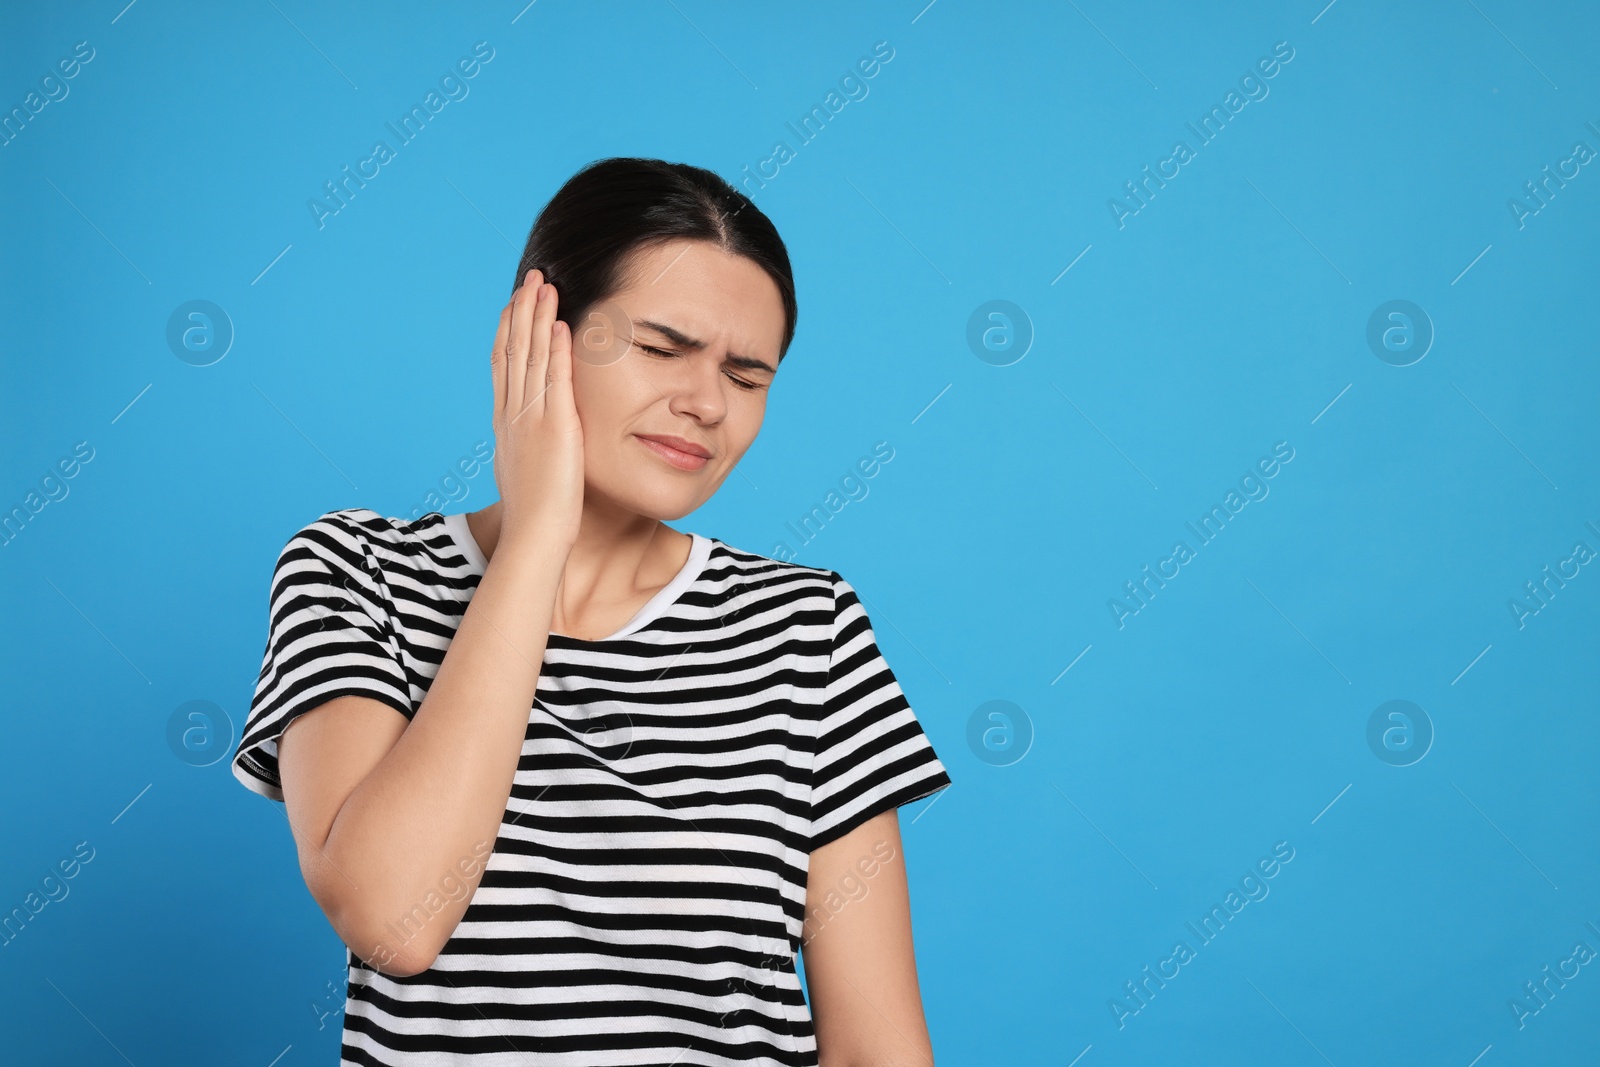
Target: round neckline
699, 552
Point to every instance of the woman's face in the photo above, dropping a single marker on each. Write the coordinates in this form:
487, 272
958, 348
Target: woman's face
705, 327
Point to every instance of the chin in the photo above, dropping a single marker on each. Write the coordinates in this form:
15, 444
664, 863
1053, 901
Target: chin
663, 506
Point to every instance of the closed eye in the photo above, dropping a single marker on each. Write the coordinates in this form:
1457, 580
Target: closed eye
740, 382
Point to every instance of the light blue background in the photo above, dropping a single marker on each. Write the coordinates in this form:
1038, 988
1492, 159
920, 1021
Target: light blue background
1228, 314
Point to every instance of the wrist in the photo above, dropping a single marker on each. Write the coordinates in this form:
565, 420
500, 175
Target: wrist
541, 544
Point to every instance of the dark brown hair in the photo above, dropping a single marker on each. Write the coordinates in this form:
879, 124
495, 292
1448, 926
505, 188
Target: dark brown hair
614, 207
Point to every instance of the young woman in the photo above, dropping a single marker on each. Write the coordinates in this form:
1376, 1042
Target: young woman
633, 770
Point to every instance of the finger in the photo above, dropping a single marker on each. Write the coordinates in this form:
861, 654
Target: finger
544, 318
559, 371
538, 362
497, 360
522, 304
517, 341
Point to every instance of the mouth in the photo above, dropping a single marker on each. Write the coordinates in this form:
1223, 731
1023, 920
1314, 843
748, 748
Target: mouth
685, 455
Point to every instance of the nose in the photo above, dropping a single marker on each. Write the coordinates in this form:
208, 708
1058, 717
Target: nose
697, 391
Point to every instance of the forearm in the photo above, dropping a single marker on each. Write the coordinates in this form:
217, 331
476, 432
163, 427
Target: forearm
441, 791
901, 1057
887, 1046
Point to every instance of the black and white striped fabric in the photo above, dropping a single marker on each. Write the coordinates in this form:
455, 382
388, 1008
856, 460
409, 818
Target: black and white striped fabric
644, 900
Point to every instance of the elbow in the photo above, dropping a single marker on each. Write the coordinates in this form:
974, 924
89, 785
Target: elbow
399, 953
402, 965
381, 948
391, 949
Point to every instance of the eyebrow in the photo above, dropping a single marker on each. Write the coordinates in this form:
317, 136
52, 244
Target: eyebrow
678, 337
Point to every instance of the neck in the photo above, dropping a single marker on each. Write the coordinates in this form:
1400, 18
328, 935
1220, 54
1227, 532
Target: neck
616, 556
604, 541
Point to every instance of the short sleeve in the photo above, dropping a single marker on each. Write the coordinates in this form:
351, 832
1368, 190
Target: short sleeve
328, 635
872, 754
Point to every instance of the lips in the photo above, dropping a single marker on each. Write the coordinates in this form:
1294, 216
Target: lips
679, 443
684, 455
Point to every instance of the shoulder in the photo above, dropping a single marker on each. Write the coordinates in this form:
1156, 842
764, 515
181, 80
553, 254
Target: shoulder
806, 596
360, 540
768, 570
751, 570
362, 532
341, 536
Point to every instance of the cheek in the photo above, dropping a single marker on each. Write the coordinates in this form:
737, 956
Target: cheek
609, 398
749, 426
755, 411
592, 395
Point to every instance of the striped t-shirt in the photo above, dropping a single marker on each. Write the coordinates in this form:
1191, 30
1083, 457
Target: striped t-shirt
644, 900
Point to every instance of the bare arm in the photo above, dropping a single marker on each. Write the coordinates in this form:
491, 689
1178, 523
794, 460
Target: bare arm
383, 811
861, 971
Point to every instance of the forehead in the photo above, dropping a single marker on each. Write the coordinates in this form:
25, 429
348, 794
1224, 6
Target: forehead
706, 293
